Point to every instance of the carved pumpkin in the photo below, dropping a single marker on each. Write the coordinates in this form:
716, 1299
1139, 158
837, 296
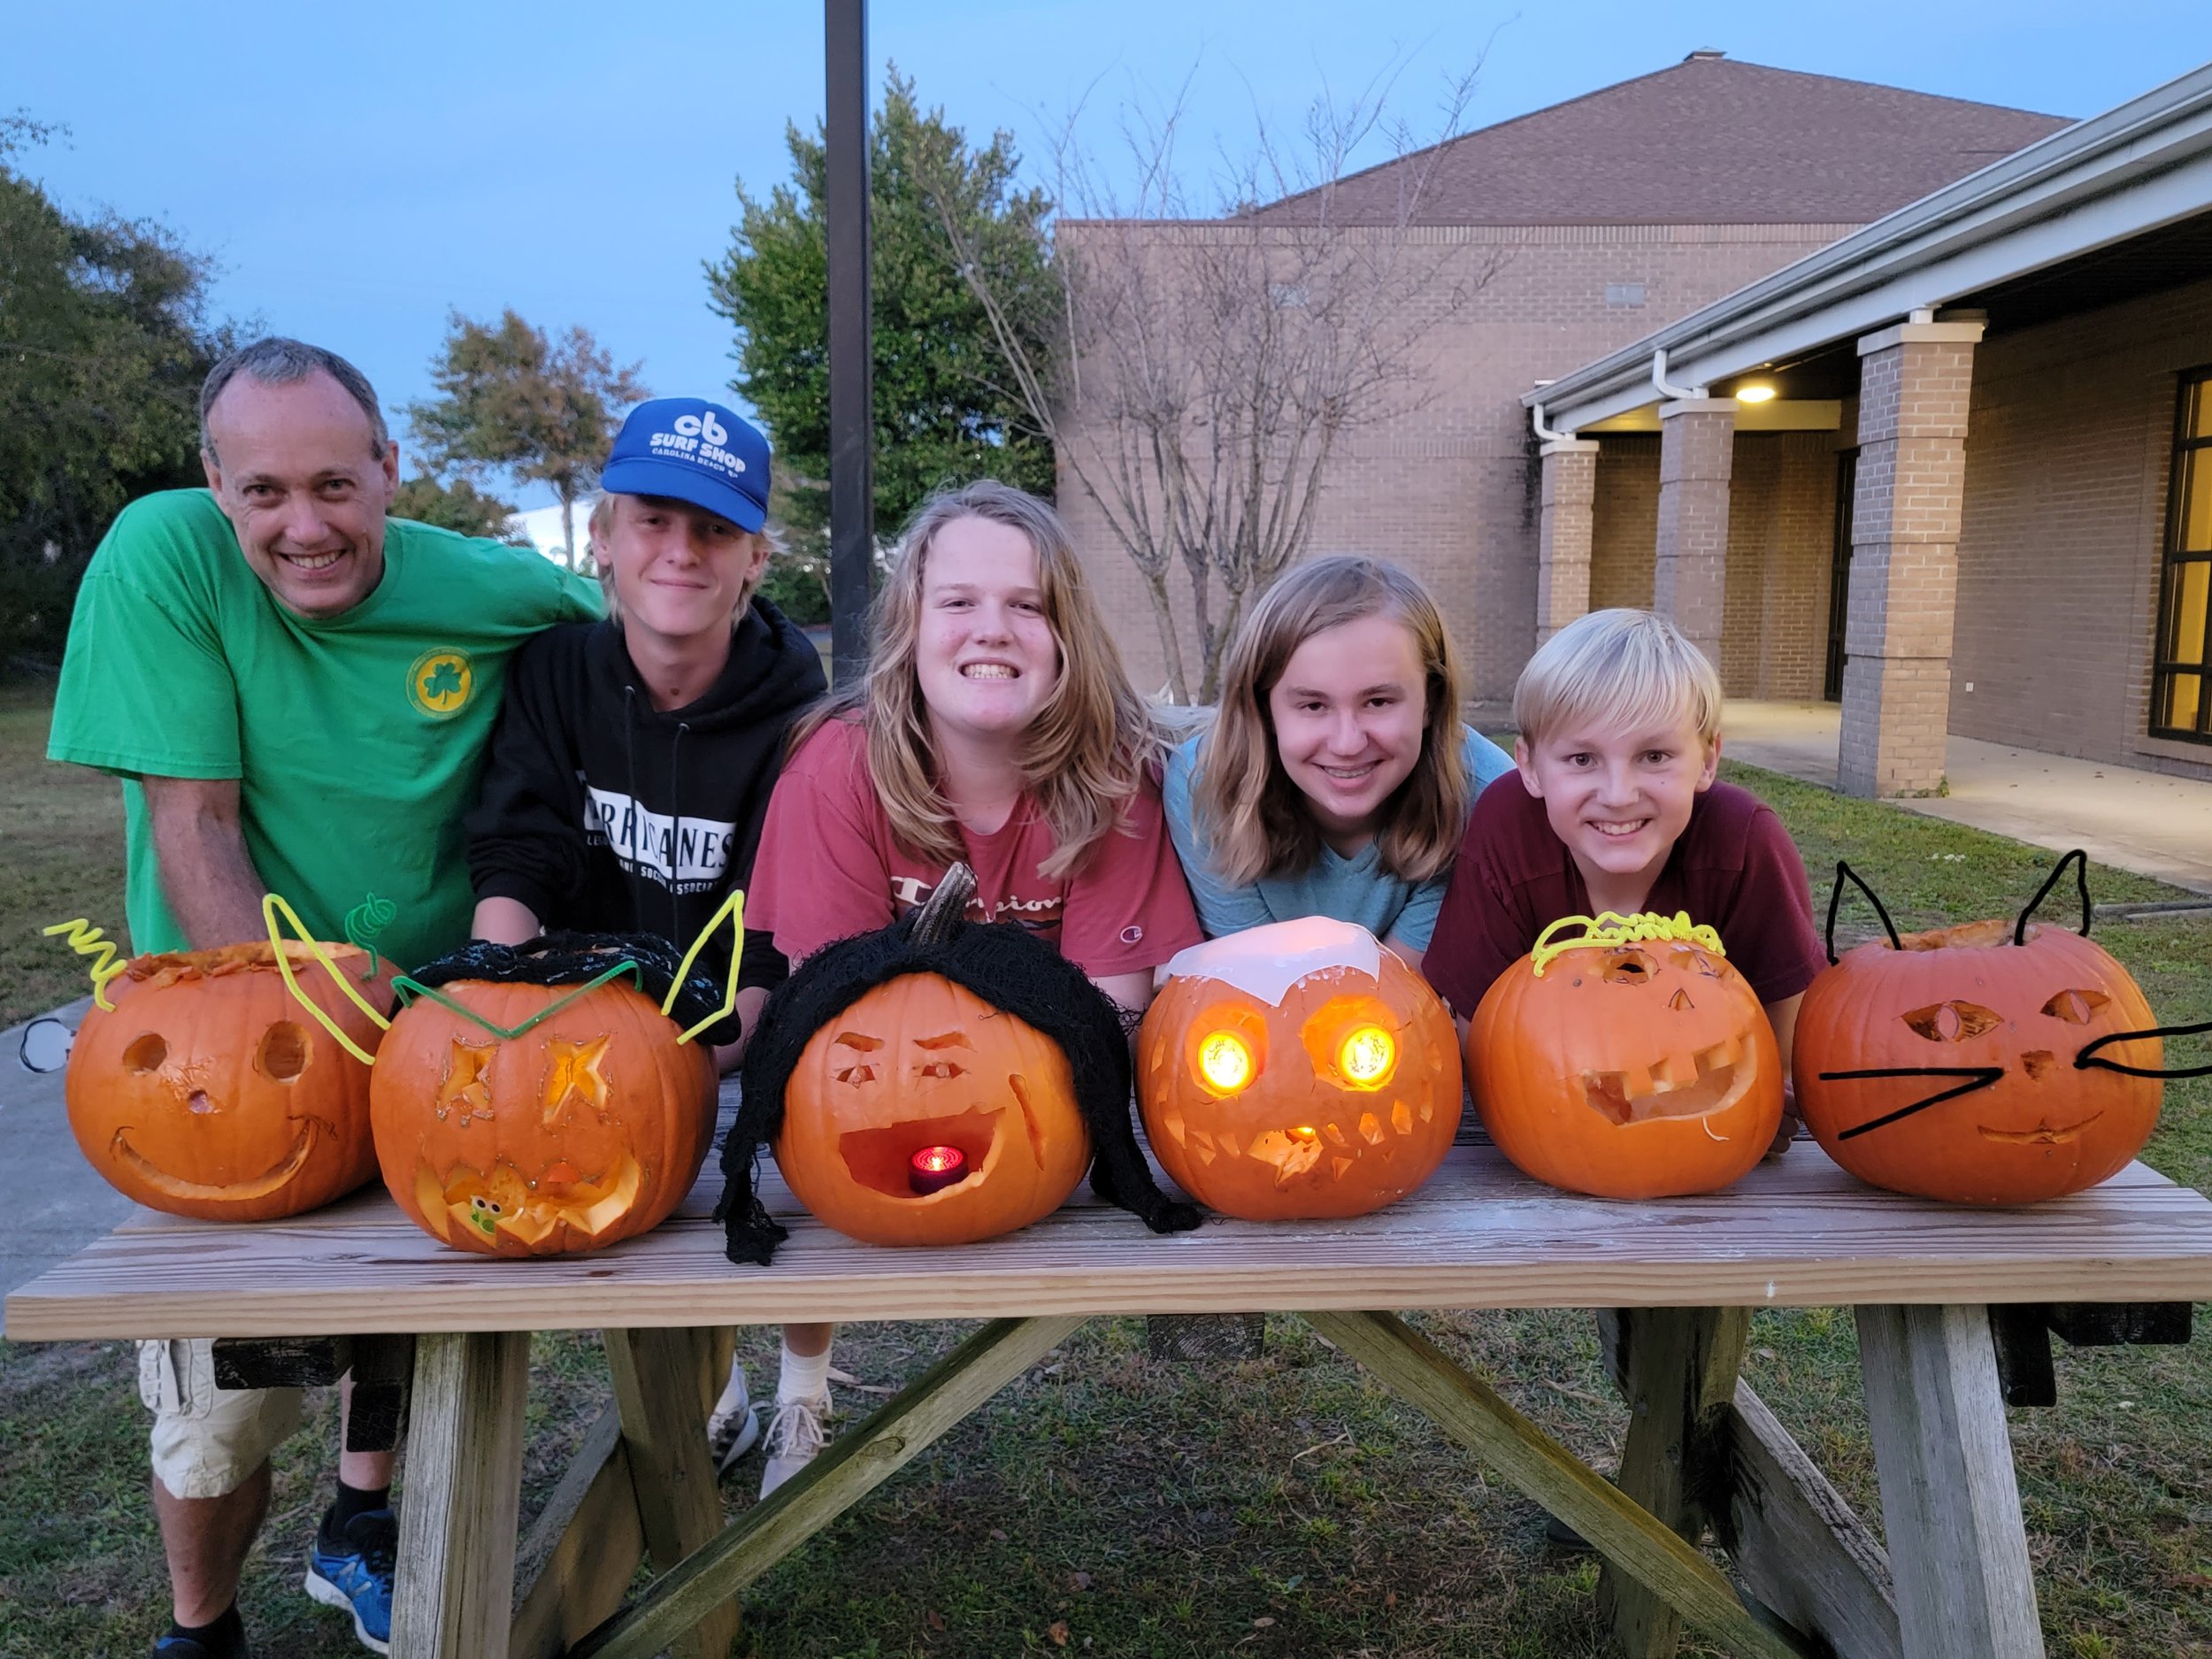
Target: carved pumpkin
587, 1128
1296, 1070
208, 1092
1632, 1062
916, 1065
937, 1081
1978, 1064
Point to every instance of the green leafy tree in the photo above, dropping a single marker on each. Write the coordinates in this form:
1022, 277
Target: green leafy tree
512, 400
459, 506
104, 343
943, 410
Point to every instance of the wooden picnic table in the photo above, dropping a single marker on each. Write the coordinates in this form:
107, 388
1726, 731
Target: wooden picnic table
1679, 1276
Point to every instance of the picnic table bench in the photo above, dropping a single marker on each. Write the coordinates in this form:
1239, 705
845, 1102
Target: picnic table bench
1952, 1308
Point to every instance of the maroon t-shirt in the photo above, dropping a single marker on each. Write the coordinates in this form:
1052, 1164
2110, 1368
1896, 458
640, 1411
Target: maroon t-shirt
1734, 868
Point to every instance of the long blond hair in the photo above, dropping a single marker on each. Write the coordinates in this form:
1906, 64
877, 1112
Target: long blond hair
1255, 819
1083, 757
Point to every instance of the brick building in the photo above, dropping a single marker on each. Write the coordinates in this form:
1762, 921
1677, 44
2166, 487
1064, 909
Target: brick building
1993, 515
1579, 229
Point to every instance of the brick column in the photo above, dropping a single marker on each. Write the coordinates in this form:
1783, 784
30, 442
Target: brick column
1915, 381
1562, 541
1697, 442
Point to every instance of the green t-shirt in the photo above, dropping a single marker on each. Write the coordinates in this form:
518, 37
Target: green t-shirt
356, 739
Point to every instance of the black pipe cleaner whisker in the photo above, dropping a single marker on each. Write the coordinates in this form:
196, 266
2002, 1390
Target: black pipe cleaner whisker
1976, 1076
2089, 1056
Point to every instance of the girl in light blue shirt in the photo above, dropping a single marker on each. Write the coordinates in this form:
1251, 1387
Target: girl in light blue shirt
1336, 779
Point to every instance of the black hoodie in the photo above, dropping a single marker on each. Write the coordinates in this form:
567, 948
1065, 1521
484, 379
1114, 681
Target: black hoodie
605, 814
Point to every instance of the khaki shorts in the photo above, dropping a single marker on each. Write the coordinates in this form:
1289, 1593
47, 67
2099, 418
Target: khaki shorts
208, 1440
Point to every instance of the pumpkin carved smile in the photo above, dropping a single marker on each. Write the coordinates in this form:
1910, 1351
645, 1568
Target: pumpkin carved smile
1712, 1078
253, 1187
204, 1091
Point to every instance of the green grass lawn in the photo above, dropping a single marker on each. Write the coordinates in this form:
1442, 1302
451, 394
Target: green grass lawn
1111, 1504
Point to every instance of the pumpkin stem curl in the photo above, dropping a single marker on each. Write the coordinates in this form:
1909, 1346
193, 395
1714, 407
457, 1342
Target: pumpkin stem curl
1609, 928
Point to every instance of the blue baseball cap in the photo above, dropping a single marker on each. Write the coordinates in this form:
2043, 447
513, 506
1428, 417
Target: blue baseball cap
694, 451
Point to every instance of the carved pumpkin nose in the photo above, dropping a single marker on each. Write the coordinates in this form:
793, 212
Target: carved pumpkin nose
200, 1105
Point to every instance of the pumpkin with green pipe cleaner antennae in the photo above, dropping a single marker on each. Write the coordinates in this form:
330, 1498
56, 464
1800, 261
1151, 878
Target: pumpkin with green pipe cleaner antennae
1626, 1057
1991, 1063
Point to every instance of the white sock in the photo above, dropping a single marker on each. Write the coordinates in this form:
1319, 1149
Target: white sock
805, 1376
733, 1395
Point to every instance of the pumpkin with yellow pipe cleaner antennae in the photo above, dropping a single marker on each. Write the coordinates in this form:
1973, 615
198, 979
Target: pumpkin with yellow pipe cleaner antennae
1626, 1057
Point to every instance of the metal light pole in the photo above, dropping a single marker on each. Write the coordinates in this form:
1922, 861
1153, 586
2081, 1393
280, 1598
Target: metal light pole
852, 421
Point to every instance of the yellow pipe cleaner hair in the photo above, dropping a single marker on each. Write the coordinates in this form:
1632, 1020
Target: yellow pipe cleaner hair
271, 904
88, 940
1611, 928
732, 907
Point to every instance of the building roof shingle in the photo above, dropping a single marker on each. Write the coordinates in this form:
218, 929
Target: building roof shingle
1707, 142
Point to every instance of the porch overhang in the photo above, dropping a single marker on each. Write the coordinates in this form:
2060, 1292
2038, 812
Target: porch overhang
2128, 173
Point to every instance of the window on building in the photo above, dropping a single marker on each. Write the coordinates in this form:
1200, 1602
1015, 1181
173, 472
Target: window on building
2181, 676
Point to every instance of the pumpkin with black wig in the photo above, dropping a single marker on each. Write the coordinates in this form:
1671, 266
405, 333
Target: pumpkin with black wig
937, 1081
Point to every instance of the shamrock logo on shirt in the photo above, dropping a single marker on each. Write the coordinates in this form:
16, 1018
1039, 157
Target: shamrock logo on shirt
440, 681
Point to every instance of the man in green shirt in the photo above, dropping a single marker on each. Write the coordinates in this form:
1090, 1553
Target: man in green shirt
297, 692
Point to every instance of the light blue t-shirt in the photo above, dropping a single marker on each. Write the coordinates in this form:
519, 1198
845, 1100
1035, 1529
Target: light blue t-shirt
1354, 889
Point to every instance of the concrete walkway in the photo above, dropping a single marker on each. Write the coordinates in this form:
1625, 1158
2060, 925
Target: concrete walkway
2148, 822
54, 1203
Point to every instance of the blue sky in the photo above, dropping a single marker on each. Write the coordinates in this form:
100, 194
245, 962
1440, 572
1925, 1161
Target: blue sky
359, 171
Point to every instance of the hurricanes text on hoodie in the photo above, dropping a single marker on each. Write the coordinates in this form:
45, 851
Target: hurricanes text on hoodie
600, 812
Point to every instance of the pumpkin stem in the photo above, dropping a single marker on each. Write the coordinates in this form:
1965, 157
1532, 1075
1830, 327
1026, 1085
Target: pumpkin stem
942, 911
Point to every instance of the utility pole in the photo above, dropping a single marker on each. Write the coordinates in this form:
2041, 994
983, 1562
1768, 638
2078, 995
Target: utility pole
851, 350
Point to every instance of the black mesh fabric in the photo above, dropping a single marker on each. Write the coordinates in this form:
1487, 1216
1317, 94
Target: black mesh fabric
564, 958
1008, 969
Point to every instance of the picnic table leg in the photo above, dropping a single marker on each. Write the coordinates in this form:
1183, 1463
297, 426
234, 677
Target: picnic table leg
455, 1583
1958, 1548
658, 1379
1680, 1378
1473, 1413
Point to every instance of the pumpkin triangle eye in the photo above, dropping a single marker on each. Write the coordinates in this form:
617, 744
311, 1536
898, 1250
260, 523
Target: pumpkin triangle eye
2075, 1008
1628, 967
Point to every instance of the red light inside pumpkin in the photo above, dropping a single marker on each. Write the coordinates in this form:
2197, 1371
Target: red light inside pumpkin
933, 1169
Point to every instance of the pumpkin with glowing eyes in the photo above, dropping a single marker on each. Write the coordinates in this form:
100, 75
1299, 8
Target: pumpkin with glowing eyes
208, 1092
1961, 1065
1297, 1070
923, 1115
587, 1128
1632, 1061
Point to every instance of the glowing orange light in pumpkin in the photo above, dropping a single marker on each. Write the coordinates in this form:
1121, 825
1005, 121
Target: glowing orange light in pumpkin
1297, 1070
208, 1092
1637, 1065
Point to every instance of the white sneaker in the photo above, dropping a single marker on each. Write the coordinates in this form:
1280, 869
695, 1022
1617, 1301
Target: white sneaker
734, 1427
795, 1436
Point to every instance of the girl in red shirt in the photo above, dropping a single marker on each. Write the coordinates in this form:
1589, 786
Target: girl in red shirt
996, 726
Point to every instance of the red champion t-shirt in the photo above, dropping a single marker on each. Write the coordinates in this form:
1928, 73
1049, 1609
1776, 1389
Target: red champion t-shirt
829, 867
1734, 868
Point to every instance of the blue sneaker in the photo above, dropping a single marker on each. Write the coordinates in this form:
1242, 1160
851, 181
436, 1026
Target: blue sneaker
357, 1577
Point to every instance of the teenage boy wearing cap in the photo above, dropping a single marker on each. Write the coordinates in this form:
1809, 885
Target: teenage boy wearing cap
631, 768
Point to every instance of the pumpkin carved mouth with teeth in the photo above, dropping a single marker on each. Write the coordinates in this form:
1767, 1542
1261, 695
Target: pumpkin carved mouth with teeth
1297, 1070
1630, 1061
